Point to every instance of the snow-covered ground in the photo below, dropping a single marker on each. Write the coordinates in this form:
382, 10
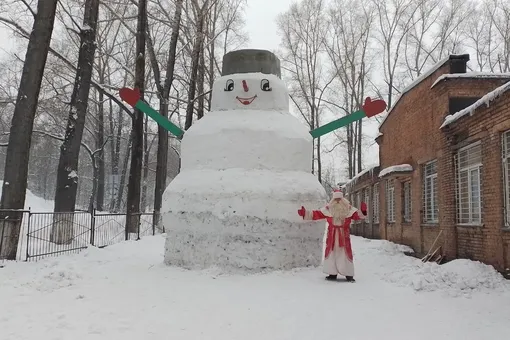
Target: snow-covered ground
125, 292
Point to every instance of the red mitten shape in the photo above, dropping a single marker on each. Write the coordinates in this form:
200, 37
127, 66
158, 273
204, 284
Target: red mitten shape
363, 208
301, 212
130, 96
373, 108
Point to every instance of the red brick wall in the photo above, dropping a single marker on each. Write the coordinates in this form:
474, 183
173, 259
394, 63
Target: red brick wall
488, 243
411, 135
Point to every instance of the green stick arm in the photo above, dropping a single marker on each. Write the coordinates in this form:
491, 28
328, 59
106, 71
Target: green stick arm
163, 121
336, 124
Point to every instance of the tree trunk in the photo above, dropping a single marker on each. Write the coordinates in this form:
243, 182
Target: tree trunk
20, 137
95, 179
67, 174
200, 82
145, 177
100, 155
122, 182
211, 34
116, 157
195, 56
135, 171
162, 155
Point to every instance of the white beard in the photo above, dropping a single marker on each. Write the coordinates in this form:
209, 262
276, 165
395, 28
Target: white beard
339, 211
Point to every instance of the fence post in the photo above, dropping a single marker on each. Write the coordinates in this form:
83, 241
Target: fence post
139, 223
92, 226
154, 221
28, 231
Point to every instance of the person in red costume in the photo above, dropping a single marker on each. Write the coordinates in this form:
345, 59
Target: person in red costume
338, 213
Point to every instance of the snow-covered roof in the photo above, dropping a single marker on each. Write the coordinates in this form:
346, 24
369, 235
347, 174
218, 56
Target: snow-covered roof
395, 168
470, 110
414, 83
483, 75
355, 179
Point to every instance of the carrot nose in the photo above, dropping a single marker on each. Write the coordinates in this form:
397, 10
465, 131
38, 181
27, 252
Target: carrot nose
245, 86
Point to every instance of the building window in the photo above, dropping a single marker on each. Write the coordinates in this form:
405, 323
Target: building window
366, 199
390, 201
469, 186
375, 203
430, 204
506, 173
406, 188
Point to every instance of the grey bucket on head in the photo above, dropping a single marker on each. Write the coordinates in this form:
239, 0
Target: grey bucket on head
251, 61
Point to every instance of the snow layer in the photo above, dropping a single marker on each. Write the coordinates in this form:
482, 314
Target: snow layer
276, 99
395, 168
124, 291
470, 110
355, 179
470, 75
248, 139
242, 220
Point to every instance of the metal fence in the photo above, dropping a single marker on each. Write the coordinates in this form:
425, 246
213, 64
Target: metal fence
44, 234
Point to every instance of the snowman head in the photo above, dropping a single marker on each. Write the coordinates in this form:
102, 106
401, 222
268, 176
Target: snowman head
250, 91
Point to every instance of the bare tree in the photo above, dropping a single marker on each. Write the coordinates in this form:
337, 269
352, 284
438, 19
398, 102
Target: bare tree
200, 15
164, 86
303, 28
67, 176
135, 171
17, 157
348, 48
395, 19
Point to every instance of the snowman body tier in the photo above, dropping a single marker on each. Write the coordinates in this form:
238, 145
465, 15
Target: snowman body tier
245, 171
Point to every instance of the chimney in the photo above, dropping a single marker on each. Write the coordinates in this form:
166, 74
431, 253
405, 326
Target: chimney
458, 63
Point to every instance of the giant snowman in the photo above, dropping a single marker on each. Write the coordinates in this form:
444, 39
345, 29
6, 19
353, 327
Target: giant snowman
245, 171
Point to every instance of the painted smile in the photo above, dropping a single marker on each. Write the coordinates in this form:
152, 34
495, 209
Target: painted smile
246, 101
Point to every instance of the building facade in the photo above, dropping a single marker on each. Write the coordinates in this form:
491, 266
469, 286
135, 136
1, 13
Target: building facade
442, 184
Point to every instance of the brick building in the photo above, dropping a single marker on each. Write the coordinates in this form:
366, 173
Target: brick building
443, 180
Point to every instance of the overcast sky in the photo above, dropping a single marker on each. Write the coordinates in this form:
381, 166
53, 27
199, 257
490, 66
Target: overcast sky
261, 26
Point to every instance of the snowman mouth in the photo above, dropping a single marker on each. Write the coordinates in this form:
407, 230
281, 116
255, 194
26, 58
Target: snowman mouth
246, 101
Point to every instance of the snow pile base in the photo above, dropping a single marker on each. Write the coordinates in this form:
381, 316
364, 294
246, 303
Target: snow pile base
456, 278
241, 220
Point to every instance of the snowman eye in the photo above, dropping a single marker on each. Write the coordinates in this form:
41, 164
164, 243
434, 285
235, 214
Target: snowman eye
229, 86
264, 85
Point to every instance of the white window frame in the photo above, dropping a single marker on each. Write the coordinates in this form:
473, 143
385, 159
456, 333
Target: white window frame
505, 160
375, 203
430, 199
470, 169
407, 202
390, 201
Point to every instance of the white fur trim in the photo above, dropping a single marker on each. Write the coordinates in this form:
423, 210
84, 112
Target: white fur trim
338, 194
354, 210
326, 212
308, 215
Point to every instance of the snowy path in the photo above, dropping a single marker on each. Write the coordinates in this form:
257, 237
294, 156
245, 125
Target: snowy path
125, 292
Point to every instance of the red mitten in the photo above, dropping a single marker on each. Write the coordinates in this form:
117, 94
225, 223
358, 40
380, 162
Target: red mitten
364, 208
301, 212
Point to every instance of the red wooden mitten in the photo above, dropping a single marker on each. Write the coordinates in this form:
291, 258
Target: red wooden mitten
301, 212
373, 108
363, 208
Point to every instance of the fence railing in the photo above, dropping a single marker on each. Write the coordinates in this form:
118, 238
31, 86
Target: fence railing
45, 234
